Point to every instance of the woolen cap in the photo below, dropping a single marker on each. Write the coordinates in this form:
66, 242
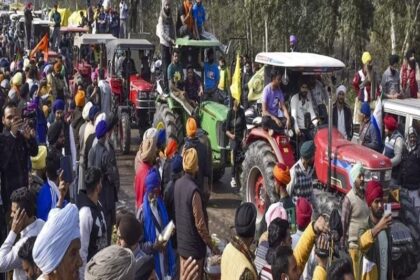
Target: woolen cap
39, 161
245, 217
307, 149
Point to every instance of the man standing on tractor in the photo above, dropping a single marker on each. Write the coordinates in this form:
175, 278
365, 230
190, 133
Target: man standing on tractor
301, 107
363, 81
300, 184
375, 243
211, 75
56, 18
354, 215
175, 73
368, 135
199, 14
274, 110
28, 24
394, 145
391, 79
410, 168
342, 118
165, 30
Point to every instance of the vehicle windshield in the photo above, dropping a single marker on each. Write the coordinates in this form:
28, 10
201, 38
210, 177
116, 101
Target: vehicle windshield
131, 62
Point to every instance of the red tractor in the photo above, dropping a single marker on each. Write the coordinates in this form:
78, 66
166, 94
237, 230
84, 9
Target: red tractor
334, 157
134, 95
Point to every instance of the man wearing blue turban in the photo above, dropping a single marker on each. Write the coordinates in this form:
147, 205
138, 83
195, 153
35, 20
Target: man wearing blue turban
154, 217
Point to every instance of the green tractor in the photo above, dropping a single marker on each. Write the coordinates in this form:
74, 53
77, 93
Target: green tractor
172, 112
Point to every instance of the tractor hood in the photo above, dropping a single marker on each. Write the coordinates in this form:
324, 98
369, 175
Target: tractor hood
346, 151
137, 83
216, 110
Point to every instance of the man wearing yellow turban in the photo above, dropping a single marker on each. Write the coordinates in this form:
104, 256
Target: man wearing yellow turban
363, 81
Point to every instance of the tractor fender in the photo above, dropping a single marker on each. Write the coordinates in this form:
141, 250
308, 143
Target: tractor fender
261, 134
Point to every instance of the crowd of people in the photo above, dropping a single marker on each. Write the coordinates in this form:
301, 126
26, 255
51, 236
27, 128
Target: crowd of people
60, 180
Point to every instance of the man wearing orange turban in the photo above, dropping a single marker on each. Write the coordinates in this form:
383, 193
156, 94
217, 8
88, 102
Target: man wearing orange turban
194, 140
281, 175
170, 151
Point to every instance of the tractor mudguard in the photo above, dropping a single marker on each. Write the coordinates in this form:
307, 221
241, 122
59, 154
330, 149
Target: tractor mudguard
280, 144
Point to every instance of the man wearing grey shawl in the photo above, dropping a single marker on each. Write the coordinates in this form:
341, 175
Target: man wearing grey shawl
165, 30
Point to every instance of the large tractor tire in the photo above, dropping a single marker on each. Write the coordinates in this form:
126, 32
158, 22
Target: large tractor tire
257, 180
125, 131
166, 118
406, 252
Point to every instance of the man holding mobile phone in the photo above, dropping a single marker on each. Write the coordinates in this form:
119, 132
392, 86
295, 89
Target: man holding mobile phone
18, 145
375, 243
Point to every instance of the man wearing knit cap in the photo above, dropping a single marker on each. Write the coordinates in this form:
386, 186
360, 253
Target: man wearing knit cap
147, 160
410, 168
394, 144
354, 215
191, 226
154, 218
368, 135
204, 164
375, 243
363, 81
100, 157
281, 175
342, 117
300, 184
238, 259
303, 218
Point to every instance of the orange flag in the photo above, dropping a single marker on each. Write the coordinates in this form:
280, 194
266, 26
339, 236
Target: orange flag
41, 46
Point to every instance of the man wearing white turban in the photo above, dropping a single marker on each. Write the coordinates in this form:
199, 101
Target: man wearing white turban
342, 117
56, 249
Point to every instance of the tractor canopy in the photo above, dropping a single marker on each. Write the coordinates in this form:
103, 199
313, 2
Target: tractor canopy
92, 39
301, 62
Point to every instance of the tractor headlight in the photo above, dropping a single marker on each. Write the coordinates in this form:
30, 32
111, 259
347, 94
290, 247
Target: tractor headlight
388, 175
372, 175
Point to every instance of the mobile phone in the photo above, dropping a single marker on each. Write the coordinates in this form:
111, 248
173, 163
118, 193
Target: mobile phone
387, 209
66, 166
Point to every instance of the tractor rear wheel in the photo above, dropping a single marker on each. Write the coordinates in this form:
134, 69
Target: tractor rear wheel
169, 120
125, 130
257, 180
218, 174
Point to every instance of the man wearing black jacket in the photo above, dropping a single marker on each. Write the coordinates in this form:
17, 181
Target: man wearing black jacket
93, 230
18, 144
342, 116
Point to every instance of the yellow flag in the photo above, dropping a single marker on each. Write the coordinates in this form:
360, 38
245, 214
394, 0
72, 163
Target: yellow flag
235, 88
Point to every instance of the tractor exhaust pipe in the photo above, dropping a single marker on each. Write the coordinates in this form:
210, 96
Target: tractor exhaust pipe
329, 135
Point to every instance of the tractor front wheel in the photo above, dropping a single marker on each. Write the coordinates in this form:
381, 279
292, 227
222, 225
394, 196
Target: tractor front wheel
257, 180
170, 121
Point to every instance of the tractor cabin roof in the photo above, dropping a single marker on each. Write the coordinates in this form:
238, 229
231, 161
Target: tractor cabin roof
302, 62
93, 39
402, 107
125, 44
